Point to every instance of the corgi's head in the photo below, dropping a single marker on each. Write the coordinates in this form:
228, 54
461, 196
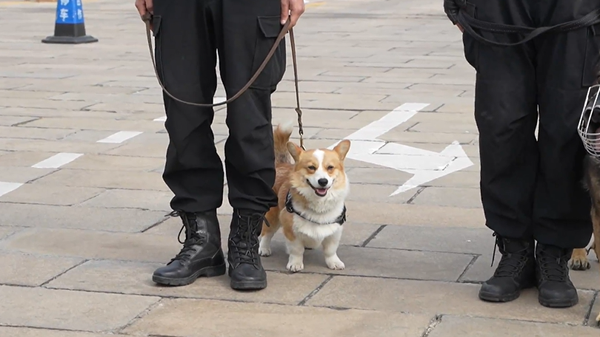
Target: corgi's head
320, 172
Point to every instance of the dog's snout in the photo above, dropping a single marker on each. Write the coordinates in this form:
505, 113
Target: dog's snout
323, 181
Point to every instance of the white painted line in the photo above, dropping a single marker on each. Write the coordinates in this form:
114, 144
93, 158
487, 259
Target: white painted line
160, 119
424, 165
58, 160
8, 187
120, 137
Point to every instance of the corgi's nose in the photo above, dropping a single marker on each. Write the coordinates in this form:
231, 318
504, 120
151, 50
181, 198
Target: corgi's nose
323, 181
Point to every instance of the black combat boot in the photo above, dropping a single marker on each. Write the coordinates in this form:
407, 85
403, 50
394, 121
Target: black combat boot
516, 271
555, 288
245, 268
201, 254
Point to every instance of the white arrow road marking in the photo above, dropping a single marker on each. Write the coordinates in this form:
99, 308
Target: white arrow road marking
424, 165
6, 187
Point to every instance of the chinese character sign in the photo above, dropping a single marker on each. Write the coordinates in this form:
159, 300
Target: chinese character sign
69, 12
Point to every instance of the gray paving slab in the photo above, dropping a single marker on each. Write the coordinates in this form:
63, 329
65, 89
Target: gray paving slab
105, 179
22, 174
134, 278
6, 231
91, 245
32, 270
400, 264
214, 318
58, 194
438, 298
137, 199
36, 332
476, 241
69, 310
104, 162
449, 196
15, 120
86, 218
414, 214
452, 326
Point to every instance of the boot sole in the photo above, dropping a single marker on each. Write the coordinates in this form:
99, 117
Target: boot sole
558, 304
211, 271
506, 298
493, 298
248, 285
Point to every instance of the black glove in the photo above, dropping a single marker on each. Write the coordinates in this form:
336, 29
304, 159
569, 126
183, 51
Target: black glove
451, 7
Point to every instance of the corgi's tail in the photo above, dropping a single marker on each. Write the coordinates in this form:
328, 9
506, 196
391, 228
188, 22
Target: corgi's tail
281, 137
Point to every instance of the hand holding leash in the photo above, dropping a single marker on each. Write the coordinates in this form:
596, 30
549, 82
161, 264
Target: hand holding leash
146, 10
291, 9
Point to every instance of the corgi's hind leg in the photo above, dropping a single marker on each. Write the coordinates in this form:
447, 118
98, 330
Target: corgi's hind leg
267, 232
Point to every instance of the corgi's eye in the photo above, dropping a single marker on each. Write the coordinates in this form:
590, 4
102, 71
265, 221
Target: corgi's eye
312, 168
330, 168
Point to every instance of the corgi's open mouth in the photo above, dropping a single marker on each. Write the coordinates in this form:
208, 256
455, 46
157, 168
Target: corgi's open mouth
320, 191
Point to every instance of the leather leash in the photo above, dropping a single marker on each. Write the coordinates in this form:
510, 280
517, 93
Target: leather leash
147, 18
468, 22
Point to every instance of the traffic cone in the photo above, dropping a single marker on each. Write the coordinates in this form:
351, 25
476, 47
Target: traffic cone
69, 26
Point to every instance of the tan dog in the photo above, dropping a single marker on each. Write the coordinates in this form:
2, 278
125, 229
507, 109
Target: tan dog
591, 166
312, 192
579, 259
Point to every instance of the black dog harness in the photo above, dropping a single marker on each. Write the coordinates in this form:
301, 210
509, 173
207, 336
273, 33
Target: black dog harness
290, 208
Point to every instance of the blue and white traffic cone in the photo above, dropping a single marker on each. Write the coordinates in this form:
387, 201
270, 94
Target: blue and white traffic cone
70, 24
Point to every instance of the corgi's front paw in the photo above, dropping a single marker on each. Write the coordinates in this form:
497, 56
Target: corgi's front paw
335, 263
295, 264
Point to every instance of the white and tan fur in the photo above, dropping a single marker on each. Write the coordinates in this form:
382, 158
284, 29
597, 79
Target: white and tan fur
320, 204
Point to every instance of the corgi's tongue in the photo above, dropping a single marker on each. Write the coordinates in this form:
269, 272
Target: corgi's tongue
321, 191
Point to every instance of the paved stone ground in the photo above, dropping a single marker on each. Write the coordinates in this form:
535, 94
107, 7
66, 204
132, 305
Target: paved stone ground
78, 243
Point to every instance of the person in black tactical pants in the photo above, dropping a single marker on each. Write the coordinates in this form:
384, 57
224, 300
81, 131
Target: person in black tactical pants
531, 189
189, 34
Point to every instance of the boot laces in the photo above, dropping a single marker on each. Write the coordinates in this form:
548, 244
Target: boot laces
511, 263
553, 265
244, 244
192, 236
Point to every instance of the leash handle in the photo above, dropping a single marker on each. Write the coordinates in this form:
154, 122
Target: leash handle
147, 18
468, 23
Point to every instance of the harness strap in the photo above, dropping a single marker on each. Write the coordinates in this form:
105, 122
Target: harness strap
147, 18
468, 23
290, 208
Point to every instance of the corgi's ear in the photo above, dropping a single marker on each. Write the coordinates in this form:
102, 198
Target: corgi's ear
342, 148
294, 150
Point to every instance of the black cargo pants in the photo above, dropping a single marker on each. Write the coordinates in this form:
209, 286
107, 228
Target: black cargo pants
533, 188
189, 34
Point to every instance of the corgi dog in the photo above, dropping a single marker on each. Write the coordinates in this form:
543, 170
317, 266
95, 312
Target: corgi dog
311, 187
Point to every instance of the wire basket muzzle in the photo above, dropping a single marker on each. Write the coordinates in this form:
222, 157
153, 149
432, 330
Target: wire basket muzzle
589, 122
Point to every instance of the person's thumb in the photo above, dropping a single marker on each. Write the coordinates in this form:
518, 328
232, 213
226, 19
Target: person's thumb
285, 11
